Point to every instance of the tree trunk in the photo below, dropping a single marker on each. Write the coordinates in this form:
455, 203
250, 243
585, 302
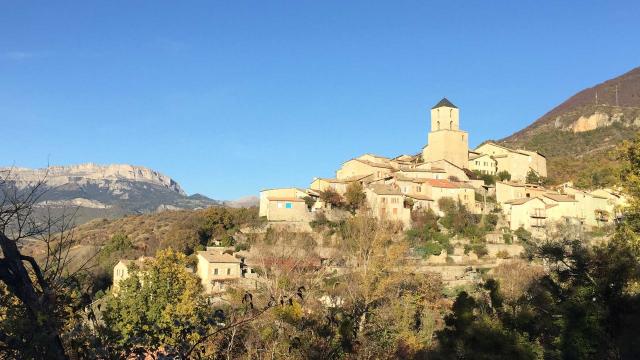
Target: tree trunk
15, 275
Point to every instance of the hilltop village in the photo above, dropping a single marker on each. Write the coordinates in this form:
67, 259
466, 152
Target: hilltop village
447, 168
490, 180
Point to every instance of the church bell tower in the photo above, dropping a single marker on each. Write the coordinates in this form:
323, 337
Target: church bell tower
446, 141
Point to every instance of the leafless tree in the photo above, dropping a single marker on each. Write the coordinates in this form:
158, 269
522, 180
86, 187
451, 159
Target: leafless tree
35, 285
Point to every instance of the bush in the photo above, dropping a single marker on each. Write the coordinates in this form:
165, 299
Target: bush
490, 222
522, 235
242, 247
479, 248
508, 238
430, 248
503, 254
320, 220
309, 201
503, 175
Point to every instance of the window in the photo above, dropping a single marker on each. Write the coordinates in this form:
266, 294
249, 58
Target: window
418, 188
279, 205
228, 271
215, 271
288, 205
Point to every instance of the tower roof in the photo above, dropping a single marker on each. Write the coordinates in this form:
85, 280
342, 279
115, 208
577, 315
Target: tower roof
444, 103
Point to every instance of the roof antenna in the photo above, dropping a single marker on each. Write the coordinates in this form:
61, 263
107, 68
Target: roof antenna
617, 95
596, 97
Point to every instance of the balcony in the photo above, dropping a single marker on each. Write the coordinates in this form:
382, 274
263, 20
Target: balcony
539, 214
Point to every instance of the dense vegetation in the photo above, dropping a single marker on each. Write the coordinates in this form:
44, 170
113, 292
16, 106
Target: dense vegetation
568, 299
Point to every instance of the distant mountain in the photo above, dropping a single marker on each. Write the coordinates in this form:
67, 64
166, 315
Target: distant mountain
247, 201
578, 135
107, 191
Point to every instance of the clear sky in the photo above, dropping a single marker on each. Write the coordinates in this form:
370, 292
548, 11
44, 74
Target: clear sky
232, 97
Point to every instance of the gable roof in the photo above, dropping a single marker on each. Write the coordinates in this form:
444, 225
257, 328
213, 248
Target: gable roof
374, 164
420, 197
517, 151
559, 198
477, 156
345, 180
383, 189
521, 201
444, 103
214, 256
442, 183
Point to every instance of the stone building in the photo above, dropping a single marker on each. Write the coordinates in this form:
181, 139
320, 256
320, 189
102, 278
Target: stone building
445, 140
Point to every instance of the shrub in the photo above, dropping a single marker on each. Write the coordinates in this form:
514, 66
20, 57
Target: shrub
522, 234
508, 238
503, 175
490, 222
503, 254
242, 247
309, 201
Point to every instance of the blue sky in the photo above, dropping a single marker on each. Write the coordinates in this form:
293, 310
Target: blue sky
232, 97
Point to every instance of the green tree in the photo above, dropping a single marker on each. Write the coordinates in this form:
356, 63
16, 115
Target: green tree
160, 305
629, 229
503, 175
533, 177
354, 196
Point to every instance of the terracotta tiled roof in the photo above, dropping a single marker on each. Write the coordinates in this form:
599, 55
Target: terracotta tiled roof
442, 183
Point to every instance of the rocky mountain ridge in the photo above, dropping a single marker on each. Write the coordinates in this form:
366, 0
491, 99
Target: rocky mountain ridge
105, 191
91, 172
578, 135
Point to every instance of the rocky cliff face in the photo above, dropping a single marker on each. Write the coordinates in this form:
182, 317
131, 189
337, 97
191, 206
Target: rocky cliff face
103, 175
105, 191
578, 135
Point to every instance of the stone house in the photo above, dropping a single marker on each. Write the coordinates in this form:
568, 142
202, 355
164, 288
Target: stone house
339, 185
122, 270
450, 170
516, 162
285, 204
358, 167
217, 269
509, 190
387, 203
529, 213
561, 207
594, 209
483, 163
438, 189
